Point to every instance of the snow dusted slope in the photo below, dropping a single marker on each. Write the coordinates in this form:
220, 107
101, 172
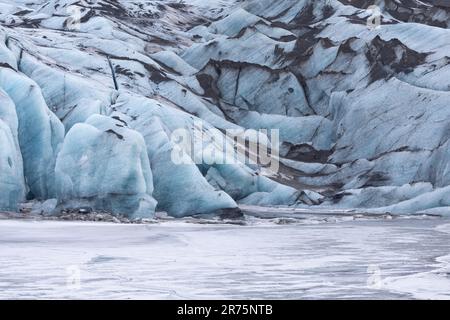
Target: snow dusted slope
363, 112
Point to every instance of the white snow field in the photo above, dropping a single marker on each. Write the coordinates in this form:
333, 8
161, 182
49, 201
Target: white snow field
341, 258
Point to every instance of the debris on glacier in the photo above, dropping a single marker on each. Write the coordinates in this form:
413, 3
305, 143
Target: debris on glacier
362, 110
40, 132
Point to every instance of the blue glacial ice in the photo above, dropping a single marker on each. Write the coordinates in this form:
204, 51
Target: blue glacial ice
357, 129
40, 132
104, 165
12, 182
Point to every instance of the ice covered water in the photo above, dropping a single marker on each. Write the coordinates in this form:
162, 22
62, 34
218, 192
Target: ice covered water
361, 259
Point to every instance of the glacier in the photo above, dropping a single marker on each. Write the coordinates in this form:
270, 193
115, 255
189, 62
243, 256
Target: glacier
104, 165
263, 260
12, 181
40, 132
89, 104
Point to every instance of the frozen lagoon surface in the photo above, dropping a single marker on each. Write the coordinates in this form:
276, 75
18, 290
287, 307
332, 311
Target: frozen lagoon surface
320, 257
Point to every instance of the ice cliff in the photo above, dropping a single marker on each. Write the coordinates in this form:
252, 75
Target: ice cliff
92, 91
104, 165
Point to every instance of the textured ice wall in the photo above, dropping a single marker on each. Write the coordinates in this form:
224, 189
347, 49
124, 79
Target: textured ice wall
12, 182
104, 165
